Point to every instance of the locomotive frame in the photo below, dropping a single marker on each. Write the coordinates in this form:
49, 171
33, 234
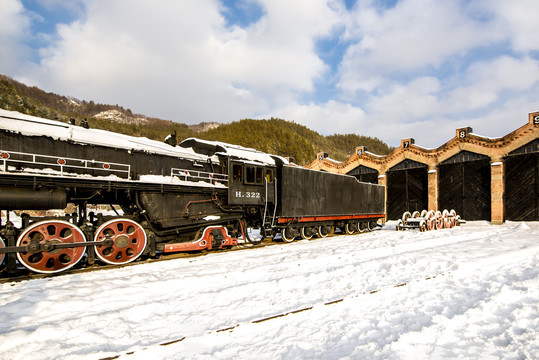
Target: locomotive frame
195, 196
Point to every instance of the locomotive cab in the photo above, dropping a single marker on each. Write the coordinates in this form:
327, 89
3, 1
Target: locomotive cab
250, 183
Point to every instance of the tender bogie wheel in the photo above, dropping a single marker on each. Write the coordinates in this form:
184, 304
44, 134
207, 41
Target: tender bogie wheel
253, 239
324, 231
405, 217
415, 214
129, 241
51, 232
306, 233
288, 234
363, 226
351, 228
372, 225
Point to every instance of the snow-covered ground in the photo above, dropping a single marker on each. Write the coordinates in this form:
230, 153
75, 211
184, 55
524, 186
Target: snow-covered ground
468, 292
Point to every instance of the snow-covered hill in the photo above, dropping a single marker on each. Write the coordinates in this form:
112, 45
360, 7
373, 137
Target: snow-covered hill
121, 117
467, 292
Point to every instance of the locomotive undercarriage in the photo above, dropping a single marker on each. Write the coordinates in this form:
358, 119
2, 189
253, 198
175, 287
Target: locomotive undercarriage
306, 230
50, 244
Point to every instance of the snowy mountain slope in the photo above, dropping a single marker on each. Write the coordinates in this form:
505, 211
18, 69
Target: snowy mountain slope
467, 292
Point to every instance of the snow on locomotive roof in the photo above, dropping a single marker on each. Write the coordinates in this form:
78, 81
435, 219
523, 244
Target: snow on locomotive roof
240, 152
36, 126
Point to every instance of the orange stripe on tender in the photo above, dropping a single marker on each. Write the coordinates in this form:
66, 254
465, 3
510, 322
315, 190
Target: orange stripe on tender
327, 218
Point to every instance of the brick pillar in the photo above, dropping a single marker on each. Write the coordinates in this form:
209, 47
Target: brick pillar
382, 180
433, 188
496, 193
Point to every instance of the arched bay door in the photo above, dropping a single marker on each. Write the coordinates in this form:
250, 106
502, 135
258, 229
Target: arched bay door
464, 185
407, 188
365, 174
522, 183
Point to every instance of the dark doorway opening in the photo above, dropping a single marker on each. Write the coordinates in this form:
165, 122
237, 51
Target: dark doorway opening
521, 197
407, 188
464, 185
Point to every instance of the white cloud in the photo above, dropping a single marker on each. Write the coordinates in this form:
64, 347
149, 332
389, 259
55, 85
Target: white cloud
485, 81
517, 18
414, 66
413, 35
179, 60
405, 102
504, 72
329, 118
14, 29
277, 52
13, 22
429, 110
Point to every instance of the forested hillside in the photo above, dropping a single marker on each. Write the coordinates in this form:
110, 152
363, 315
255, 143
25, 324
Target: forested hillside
274, 136
287, 138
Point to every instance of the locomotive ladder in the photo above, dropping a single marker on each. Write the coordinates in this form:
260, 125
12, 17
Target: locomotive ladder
267, 218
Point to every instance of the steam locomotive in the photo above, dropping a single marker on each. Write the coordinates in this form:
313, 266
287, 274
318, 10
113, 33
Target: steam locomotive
163, 197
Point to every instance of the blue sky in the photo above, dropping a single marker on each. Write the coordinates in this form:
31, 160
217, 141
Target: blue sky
384, 68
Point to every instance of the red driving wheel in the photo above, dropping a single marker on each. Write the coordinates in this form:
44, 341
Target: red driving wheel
51, 232
129, 241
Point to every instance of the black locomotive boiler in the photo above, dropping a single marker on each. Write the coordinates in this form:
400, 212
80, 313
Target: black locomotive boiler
195, 196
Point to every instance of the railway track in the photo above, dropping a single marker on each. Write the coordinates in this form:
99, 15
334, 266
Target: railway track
25, 274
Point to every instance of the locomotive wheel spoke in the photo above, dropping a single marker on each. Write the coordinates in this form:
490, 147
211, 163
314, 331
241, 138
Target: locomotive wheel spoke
129, 241
51, 232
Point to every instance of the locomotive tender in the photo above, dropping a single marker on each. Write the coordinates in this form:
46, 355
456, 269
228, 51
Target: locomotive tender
195, 196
